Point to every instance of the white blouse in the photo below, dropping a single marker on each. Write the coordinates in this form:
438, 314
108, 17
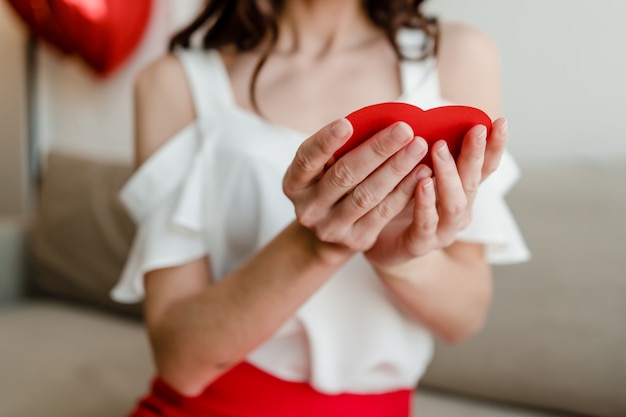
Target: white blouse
215, 189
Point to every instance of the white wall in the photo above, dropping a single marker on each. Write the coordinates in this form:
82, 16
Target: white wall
564, 64
83, 113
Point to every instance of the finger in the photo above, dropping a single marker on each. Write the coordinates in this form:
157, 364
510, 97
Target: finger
313, 154
352, 168
496, 144
393, 204
451, 198
470, 161
383, 180
423, 231
373, 190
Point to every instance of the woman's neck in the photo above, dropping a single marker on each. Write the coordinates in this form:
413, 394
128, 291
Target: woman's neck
317, 28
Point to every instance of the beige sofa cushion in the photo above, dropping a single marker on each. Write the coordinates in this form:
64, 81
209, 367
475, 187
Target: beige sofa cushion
434, 403
556, 335
81, 234
62, 361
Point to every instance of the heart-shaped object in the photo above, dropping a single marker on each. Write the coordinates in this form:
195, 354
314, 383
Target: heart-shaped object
449, 123
103, 33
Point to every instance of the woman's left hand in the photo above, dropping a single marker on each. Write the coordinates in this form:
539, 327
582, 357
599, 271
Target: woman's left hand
442, 206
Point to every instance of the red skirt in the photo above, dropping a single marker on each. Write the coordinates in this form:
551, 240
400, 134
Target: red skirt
246, 391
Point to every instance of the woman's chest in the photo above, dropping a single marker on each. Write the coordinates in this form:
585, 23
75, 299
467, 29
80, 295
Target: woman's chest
306, 95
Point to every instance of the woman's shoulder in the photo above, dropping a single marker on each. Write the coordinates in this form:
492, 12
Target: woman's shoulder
469, 66
460, 39
163, 104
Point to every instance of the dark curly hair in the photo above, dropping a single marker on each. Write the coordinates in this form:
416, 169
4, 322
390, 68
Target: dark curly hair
244, 24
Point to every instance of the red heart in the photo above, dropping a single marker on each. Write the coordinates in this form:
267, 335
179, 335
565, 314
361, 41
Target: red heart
102, 32
450, 123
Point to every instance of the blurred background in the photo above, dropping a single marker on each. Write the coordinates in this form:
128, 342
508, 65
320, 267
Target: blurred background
555, 342
563, 66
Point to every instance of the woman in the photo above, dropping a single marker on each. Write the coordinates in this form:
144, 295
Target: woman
252, 310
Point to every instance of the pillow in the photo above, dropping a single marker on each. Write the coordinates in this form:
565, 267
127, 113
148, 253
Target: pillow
81, 233
555, 336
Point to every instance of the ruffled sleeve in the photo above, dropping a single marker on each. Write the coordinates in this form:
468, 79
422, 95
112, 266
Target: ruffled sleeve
493, 223
162, 198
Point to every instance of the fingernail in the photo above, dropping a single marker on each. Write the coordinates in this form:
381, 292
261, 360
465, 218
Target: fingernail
423, 171
504, 128
482, 136
443, 151
341, 128
401, 132
417, 146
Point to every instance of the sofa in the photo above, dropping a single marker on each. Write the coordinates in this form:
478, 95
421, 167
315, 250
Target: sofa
554, 343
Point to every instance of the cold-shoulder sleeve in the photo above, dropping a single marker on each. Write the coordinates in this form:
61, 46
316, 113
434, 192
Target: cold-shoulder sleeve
493, 223
160, 197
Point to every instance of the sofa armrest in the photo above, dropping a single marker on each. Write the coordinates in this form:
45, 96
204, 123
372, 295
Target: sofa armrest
12, 260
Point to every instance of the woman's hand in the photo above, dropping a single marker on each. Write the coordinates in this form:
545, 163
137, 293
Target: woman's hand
349, 201
442, 206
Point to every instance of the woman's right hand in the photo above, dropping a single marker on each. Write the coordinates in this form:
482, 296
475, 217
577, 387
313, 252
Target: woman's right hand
348, 202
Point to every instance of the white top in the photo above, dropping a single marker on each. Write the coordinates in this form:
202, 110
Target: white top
215, 189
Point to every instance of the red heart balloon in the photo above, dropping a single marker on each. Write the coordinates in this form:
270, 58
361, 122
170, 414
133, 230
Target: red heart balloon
102, 32
449, 123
